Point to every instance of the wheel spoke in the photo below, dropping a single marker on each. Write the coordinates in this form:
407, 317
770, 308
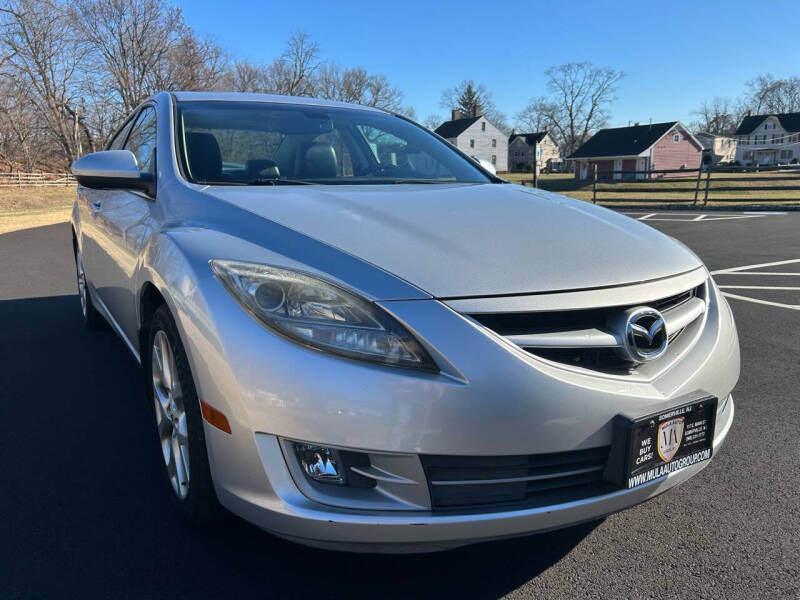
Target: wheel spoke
182, 431
162, 422
181, 468
166, 358
171, 421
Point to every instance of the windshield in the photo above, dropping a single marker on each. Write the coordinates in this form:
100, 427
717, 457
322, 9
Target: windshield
262, 143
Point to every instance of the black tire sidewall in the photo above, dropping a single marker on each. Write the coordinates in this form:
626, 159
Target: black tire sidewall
200, 504
92, 319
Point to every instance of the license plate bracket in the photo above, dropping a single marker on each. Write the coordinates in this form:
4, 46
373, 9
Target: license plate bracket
648, 447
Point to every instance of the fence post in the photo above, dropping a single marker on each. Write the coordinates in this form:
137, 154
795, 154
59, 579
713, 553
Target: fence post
708, 179
594, 183
697, 185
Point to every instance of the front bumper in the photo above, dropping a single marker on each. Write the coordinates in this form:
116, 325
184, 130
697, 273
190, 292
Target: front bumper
288, 513
491, 399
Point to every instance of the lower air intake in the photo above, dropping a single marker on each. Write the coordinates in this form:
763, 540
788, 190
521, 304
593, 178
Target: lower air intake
530, 480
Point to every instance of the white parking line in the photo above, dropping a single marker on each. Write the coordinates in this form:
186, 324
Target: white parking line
692, 218
759, 301
756, 287
744, 271
758, 266
761, 273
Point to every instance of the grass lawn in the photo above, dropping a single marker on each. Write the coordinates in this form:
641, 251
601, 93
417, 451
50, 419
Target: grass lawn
735, 186
24, 207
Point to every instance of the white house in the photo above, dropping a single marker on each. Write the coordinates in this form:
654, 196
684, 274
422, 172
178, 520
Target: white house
721, 149
478, 137
769, 139
523, 148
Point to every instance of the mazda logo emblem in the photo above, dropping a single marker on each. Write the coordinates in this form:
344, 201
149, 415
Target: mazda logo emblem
645, 334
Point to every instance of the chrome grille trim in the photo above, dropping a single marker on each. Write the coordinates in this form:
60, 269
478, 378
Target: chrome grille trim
587, 338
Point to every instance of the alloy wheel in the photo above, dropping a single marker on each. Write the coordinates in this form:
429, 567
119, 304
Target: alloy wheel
171, 422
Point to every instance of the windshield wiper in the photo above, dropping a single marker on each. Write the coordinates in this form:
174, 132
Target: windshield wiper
277, 181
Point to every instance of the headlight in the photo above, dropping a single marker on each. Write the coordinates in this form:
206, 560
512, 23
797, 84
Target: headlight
321, 315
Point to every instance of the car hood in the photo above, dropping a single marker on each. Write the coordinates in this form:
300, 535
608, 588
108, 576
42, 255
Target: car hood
464, 240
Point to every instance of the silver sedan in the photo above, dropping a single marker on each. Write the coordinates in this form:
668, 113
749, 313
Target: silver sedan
356, 336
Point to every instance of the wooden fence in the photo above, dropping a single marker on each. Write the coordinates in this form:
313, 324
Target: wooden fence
695, 187
17, 179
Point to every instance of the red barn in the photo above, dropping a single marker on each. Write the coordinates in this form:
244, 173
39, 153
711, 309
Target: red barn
619, 151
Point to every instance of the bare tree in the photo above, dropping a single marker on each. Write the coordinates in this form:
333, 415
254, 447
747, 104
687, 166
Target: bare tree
470, 98
358, 86
717, 117
192, 64
294, 72
577, 103
41, 49
408, 111
246, 76
139, 47
767, 95
20, 134
432, 121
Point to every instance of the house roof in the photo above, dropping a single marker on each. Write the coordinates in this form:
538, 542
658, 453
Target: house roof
452, 129
530, 138
789, 121
623, 141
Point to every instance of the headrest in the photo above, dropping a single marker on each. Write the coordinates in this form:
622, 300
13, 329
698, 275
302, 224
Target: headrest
205, 160
319, 162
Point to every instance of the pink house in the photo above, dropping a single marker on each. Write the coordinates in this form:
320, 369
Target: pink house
625, 152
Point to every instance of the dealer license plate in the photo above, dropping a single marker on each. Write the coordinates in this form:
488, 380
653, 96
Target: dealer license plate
671, 440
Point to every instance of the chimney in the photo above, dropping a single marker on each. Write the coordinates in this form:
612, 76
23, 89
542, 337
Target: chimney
636, 124
456, 114
547, 128
749, 113
514, 131
478, 111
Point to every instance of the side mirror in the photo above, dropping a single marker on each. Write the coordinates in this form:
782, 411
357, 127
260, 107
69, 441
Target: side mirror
112, 170
485, 164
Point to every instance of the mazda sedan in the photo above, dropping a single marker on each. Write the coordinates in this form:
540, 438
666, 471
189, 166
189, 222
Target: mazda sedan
355, 336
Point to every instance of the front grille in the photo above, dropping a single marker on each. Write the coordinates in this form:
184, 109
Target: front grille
565, 320
461, 482
581, 337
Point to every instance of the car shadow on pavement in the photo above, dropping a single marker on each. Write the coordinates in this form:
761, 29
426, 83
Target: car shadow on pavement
86, 516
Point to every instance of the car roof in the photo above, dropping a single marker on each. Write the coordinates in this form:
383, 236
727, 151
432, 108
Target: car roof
274, 98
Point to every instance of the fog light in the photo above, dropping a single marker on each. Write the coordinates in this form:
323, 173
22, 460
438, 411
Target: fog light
320, 463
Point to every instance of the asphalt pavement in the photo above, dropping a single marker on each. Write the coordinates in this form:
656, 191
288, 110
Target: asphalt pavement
83, 514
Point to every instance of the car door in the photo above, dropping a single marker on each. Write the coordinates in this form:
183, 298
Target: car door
89, 203
123, 224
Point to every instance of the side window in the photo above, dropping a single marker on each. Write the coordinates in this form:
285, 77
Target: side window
142, 140
119, 139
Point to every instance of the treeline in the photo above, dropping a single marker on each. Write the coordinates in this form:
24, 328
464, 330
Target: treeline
764, 94
71, 71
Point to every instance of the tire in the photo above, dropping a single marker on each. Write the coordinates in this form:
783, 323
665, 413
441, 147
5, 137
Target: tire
178, 423
92, 319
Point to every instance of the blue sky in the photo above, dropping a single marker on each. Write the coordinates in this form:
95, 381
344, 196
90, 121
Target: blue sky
675, 54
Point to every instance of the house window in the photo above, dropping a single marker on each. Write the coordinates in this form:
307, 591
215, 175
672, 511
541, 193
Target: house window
483, 125
472, 143
494, 143
748, 156
786, 154
774, 138
494, 159
676, 138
